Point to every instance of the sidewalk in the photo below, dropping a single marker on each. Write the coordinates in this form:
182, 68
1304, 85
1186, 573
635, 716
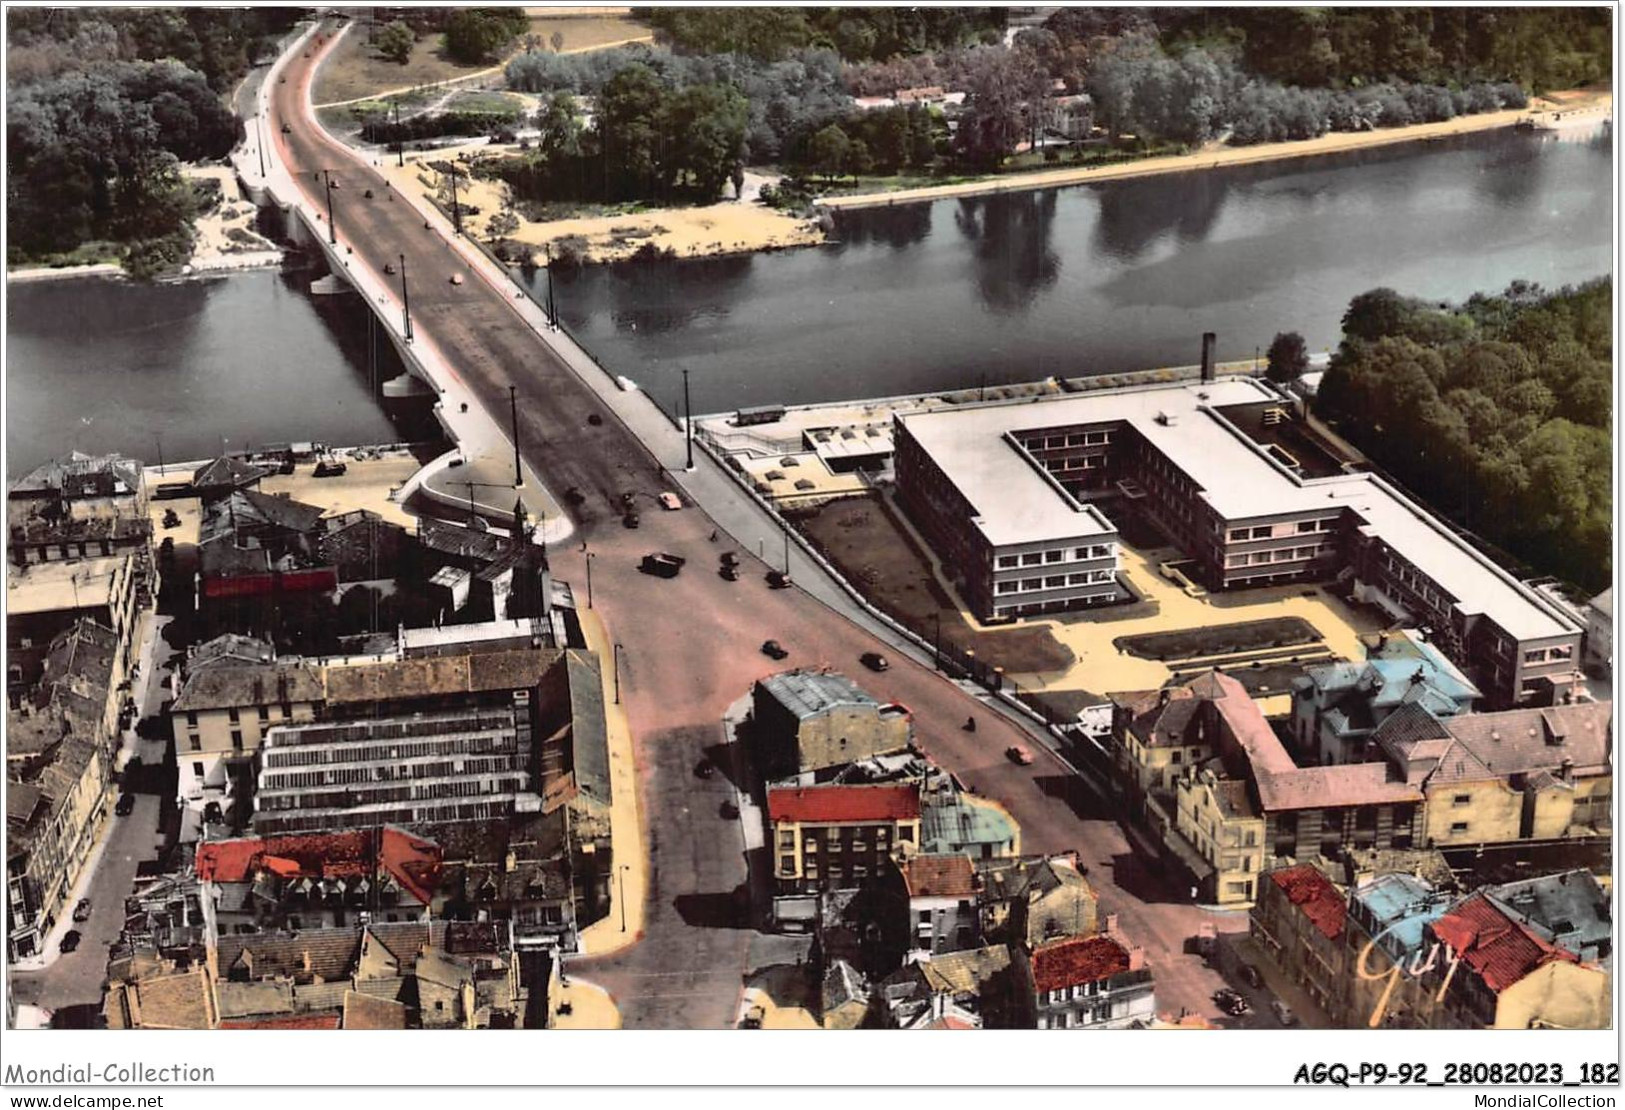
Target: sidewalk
628, 840
583, 1005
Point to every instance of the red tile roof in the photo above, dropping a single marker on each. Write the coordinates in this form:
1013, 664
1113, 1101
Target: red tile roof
1314, 894
939, 876
843, 804
414, 862
288, 1021
1077, 960
1501, 950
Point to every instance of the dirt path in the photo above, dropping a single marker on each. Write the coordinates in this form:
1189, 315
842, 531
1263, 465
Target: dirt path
1336, 142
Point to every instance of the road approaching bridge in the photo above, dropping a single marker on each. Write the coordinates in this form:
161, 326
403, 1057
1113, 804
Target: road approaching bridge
689, 644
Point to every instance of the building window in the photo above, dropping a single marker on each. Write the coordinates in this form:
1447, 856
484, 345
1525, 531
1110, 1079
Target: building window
1032, 559
1462, 799
233, 714
1054, 556
1458, 827
1562, 651
287, 711
196, 742
787, 840
1055, 580
906, 834
1008, 561
197, 770
1006, 587
787, 865
1536, 656
191, 719
809, 845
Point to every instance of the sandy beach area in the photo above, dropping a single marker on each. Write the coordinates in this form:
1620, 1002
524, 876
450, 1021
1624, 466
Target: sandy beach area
1216, 156
226, 239
728, 227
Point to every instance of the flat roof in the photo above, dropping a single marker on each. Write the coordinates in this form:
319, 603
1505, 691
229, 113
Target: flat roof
54, 586
1016, 503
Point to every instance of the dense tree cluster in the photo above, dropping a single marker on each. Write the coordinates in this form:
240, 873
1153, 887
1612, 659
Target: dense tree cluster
649, 140
1498, 411
1539, 48
856, 34
103, 105
94, 154
395, 41
219, 43
786, 100
475, 35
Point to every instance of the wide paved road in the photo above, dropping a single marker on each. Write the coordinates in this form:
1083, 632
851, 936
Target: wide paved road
692, 644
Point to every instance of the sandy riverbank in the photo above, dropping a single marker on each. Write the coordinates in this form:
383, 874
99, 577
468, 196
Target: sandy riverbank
226, 238
1217, 156
728, 227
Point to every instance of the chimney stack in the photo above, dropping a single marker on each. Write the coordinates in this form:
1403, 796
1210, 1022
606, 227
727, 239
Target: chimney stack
1208, 339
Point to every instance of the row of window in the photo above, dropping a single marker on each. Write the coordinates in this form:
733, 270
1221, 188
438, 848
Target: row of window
1549, 655
1420, 583
1053, 582
1268, 531
1279, 555
1057, 555
1072, 439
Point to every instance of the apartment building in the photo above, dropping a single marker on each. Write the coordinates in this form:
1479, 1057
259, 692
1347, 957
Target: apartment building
808, 721
832, 836
1299, 920
1017, 497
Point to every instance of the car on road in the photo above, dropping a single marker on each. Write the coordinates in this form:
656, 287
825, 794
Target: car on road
286, 130
875, 661
1251, 976
729, 811
70, 941
729, 572
326, 469
774, 650
705, 768
574, 495
670, 500
778, 580
1231, 1002
729, 559
630, 520
1015, 753
81, 912
1283, 1012
661, 564
126, 805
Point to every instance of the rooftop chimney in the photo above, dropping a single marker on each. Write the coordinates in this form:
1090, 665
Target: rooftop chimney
1208, 339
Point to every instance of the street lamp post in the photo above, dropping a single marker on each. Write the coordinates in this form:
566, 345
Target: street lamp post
688, 418
332, 230
400, 144
259, 144
616, 660
936, 640
590, 558
620, 871
456, 211
406, 301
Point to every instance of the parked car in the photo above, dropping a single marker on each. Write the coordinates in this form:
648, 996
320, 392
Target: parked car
630, 520
81, 912
286, 130
774, 650
1283, 1012
326, 469
70, 941
729, 572
729, 811
875, 661
126, 805
705, 768
1231, 1002
574, 495
670, 500
1251, 976
778, 580
729, 559
1015, 753
662, 565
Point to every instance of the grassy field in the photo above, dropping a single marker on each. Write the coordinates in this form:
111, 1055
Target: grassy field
355, 69
876, 555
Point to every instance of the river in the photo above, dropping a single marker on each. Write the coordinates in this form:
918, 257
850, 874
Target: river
246, 359
1099, 278
1081, 280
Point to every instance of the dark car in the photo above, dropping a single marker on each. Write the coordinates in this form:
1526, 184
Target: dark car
729, 810
875, 661
774, 650
729, 559
325, 469
81, 912
661, 564
705, 768
729, 572
286, 130
1250, 975
126, 805
70, 941
630, 520
778, 580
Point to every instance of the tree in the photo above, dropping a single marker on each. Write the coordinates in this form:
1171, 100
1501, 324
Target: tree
557, 39
828, 151
475, 35
1289, 358
707, 123
395, 41
996, 107
560, 129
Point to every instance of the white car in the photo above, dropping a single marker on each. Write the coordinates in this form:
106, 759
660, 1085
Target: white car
670, 501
